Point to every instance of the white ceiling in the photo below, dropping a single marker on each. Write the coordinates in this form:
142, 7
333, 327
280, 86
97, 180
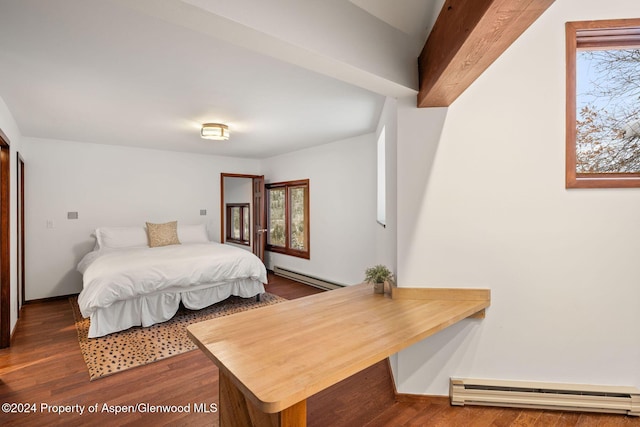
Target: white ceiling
413, 17
107, 72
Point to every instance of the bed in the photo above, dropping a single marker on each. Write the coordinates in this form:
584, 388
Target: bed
128, 283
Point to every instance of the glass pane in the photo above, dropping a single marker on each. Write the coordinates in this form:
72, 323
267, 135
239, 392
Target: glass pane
607, 111
245, 212
235, 223
276, 224
298, 224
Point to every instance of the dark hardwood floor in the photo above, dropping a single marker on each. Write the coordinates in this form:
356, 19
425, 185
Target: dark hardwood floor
44, 366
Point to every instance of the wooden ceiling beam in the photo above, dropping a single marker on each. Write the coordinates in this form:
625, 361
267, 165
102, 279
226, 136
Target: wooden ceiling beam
466, 38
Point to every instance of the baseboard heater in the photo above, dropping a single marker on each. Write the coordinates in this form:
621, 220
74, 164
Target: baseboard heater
535, 395
306, 279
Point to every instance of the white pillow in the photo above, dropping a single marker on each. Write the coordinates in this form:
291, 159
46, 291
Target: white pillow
121, 237
193, 233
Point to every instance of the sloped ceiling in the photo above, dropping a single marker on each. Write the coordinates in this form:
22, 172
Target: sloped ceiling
148, 73
413, 17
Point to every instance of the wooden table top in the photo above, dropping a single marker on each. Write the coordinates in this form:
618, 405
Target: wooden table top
281, 354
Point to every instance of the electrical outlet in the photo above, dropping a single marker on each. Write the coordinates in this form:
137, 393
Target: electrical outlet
49, 223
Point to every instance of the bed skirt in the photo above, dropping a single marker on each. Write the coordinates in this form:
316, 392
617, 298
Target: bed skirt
156, 308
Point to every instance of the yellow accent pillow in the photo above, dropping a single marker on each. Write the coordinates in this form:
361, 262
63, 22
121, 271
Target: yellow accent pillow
163, 234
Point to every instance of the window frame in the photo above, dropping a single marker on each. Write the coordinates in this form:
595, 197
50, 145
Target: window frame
287, 249
593, 35
381, 178
244, 239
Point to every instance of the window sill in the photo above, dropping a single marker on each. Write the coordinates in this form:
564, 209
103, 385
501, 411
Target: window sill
238, 242
291, 252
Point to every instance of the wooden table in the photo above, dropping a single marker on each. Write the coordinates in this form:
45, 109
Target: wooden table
273, 358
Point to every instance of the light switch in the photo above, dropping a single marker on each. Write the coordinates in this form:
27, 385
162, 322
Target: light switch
49, 223
72, 215
203, 211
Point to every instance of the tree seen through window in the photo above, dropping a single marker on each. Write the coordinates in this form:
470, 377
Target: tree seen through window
288, 218
608, 107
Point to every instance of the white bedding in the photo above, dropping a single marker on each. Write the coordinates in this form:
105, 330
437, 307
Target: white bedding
112, 275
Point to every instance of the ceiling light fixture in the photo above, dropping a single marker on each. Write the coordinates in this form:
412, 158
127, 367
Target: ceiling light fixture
215, 131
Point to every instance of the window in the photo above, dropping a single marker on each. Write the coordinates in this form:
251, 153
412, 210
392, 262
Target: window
288, 218
238, 223
603, 113
382, 179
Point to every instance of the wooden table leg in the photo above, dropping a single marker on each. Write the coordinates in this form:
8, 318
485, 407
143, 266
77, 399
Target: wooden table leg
235, 410
294, 416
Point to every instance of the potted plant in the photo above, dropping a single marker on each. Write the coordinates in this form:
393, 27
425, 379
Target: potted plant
380, 276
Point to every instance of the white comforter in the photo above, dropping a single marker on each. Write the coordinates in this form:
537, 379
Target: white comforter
111, 275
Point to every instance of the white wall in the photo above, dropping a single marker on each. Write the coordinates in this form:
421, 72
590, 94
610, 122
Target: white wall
342, 188
482, 203
109, 186
10, 129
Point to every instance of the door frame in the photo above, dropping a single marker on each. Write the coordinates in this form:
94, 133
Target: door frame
258, 194
254, 241
20, 214
5, 242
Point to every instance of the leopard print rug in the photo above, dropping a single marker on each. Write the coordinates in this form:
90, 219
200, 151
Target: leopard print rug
139, 346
